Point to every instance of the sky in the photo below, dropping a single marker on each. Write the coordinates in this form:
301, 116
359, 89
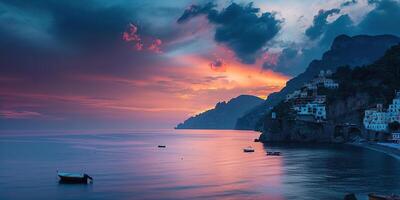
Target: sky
133, 64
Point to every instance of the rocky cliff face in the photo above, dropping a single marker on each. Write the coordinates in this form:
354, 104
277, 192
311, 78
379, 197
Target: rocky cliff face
345, 50
223, 116
283, 130
343, 124
360, 89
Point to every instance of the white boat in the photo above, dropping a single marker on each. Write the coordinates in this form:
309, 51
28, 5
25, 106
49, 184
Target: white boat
248, 149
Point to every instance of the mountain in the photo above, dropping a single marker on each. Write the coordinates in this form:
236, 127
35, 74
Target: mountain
223, 116
345, 50
360, 88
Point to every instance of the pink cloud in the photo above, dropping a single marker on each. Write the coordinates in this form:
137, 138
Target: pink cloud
11, 114
271, 58
155, 46
131, 35
218, 65
139, 46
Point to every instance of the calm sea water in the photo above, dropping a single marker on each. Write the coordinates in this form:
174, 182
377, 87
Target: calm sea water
195, 165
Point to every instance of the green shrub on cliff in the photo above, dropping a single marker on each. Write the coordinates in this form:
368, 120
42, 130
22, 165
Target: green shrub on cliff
380, 80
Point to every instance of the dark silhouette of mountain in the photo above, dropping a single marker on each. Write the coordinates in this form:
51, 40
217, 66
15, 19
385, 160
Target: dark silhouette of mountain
223, 116
345, 50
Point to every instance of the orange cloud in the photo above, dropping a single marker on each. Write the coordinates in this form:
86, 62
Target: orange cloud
173, 89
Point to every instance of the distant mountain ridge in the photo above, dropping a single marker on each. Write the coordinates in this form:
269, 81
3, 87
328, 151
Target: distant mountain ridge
345, 50
223, 116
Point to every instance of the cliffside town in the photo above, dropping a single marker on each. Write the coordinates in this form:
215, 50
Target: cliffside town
345, 51
307, 103
378, 119
343, 106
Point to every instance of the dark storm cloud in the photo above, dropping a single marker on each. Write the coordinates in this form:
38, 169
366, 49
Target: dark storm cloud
195, 10
384, 19
77, 23
342, 25
348, 3
239, 27
373, 1
69, 36
294, 58
319, 23
286, 63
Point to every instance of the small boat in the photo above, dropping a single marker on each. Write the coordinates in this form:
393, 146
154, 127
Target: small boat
256, 140
248, 149
374, 196
162, 146
273, 153
74, 178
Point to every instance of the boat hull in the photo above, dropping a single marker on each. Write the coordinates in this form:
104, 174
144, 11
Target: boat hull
273, 153
73, 180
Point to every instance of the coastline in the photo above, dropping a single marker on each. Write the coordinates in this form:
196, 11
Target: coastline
394, 152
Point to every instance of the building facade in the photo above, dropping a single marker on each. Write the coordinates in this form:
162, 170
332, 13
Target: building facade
317, 110
396, 137
378, 120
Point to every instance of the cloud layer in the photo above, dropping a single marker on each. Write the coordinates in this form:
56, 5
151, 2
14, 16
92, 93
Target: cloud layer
329, 23
127, 64
239, 27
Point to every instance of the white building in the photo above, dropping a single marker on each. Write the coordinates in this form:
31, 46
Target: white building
310, 86
315, 109
394, 109
322, 79
320, 99
330, 84
293, 95
378, 120
396, 137
303, 94
375, 120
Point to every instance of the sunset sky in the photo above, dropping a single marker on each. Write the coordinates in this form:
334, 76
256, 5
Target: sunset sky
78, 65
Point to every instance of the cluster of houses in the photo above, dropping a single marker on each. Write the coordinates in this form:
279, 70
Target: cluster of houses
378, 119
306, 102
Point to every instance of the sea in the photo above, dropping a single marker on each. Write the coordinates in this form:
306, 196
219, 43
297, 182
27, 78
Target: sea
196, 164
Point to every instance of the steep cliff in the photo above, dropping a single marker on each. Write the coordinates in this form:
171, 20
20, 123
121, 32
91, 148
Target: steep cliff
360, 88
223, 116
351, 51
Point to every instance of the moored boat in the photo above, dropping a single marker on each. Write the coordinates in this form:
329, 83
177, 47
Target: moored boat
273, 153
373, 196
74, 178
162, 146
248, 149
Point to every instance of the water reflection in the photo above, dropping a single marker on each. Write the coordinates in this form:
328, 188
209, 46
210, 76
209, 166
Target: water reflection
195, 165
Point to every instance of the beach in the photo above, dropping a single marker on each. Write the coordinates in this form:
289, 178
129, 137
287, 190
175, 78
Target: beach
392, 149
